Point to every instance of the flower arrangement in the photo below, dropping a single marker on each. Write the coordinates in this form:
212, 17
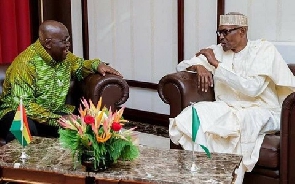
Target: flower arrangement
98, 130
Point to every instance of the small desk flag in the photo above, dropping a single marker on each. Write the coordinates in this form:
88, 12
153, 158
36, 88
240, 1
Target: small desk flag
20, 127
195, 129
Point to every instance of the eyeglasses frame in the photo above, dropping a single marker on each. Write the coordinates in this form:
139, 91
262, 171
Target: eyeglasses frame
226, 32
64, 41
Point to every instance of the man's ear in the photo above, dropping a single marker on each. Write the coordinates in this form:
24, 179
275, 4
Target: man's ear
244, 30
47, 43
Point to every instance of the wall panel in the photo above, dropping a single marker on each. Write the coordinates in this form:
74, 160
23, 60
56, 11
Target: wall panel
200, 25
139, 38
77, 36
271, 20
287, 21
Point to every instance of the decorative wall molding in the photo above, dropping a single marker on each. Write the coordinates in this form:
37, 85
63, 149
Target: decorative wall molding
147, 117
180, 45
141, 84
85, 31
180, 21
220, 11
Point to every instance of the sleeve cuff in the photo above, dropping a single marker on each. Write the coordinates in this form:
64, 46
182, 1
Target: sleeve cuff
95, 64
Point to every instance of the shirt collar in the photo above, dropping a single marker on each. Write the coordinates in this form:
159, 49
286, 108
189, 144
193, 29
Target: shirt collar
43, 53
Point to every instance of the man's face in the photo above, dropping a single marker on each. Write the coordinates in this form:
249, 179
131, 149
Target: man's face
230, 37
60, 44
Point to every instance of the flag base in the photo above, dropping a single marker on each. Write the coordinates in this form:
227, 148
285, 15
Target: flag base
194, 167
23, 156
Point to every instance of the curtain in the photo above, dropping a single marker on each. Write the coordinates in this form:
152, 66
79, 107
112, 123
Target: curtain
15, 33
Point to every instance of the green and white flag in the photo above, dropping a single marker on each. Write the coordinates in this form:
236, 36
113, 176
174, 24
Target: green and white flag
195, 129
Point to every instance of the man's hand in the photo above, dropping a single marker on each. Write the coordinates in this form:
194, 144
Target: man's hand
103, 69
209, 54
205, 79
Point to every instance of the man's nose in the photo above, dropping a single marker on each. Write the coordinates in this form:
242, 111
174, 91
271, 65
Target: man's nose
68, 44
221, 36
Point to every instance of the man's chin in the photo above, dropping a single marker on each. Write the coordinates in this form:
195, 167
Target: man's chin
225, 48
60, 59
64, 56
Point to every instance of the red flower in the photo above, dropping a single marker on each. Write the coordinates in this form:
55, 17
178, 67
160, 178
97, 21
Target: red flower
89, 119
116, 126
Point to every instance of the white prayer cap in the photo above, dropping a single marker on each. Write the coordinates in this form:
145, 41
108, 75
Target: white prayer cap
233, 18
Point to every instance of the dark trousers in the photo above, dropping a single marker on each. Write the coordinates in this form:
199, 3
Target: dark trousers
36, 129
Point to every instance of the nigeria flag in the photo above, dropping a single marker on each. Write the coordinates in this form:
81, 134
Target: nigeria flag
195, 128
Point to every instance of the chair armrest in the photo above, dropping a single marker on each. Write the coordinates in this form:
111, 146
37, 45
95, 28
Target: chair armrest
181, 88
113, 89
287, 142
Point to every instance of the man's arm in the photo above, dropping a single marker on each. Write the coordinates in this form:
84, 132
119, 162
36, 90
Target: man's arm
82, 68
249, 85
201, 64
186, 65
103, 69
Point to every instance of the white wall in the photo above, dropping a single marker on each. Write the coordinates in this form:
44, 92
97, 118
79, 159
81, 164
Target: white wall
271, 20
133, 35
139, 38
77, 28
287, 50
200, 20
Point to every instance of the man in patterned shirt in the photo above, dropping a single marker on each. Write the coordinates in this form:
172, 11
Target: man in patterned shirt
41, 76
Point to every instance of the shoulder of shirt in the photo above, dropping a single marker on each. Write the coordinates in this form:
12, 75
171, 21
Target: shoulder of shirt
260, 43
214, 47
71, 56
25, 56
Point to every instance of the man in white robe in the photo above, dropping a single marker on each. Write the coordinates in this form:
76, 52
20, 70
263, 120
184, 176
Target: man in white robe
250, 80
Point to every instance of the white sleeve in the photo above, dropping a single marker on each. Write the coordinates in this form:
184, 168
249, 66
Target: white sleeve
249, 85
200, 60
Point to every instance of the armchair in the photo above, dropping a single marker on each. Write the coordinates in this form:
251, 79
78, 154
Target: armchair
113, 89
276, 163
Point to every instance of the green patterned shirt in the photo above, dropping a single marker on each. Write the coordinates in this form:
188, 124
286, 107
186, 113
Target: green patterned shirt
42, 83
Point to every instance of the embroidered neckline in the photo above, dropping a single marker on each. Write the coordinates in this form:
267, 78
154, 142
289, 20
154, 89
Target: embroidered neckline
43, 53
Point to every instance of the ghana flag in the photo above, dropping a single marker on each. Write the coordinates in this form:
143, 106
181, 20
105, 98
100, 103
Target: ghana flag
20, 127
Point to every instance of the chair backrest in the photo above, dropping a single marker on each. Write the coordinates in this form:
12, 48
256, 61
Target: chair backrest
292, 68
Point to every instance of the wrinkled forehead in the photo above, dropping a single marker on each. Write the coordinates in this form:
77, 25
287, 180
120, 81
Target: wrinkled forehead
227, 27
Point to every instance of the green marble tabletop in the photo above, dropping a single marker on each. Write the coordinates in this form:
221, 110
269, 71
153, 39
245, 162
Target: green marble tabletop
153, 165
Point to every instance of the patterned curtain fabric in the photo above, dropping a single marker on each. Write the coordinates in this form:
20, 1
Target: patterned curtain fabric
15, 33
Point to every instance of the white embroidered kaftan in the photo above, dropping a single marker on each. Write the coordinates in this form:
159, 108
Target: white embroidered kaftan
249, 89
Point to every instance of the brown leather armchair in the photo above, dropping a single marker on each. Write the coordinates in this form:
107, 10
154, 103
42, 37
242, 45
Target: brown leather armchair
113, 89
276, 163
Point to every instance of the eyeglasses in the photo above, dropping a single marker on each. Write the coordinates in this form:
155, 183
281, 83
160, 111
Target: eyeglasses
64, 41
225, 32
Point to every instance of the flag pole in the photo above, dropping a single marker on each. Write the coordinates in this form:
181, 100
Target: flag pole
194, 167
23, 155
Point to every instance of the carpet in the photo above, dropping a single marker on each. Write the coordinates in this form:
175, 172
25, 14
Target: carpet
148, 128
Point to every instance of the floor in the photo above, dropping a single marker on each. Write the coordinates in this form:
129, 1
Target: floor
151, 135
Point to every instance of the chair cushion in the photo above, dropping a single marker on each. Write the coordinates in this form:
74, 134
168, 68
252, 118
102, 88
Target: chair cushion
269, 155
